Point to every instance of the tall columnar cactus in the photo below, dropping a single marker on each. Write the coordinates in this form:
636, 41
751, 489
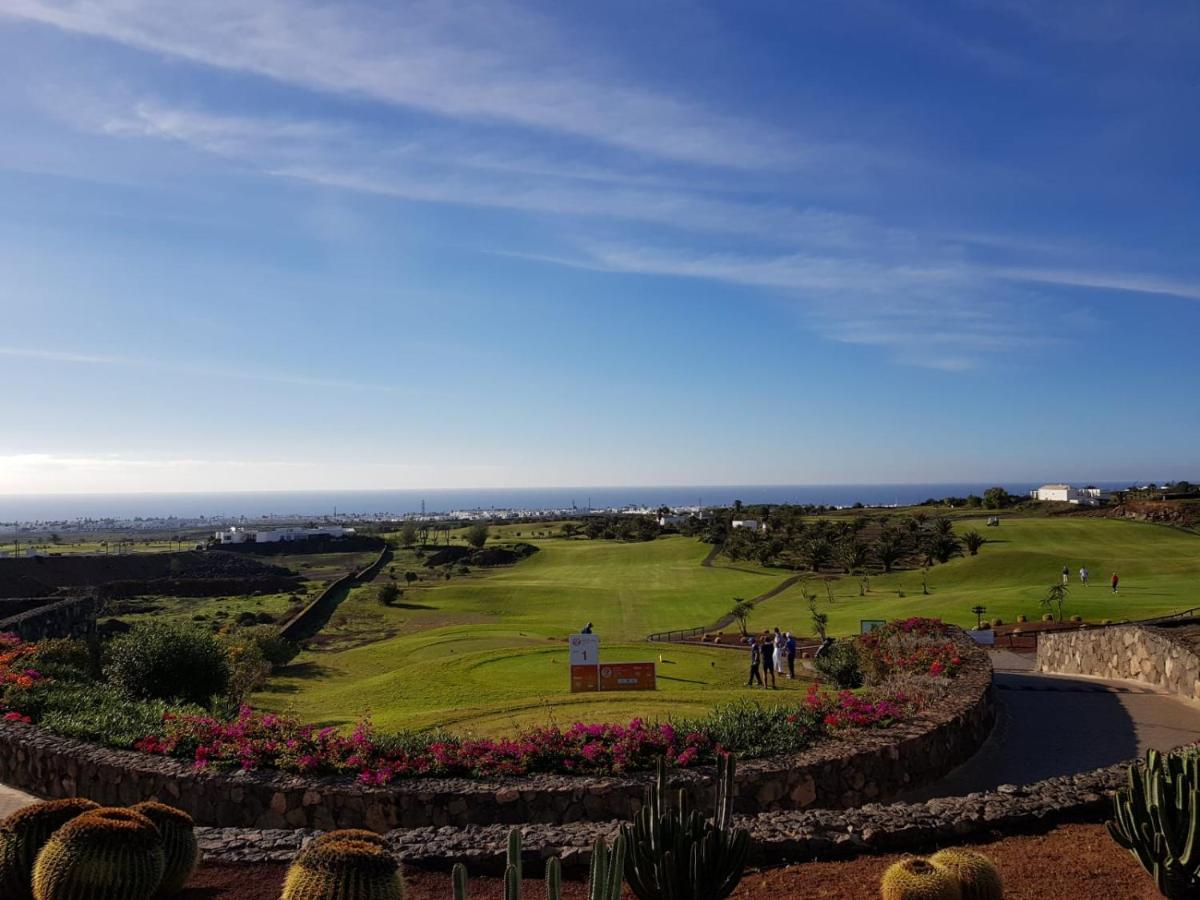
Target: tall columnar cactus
918, 879
1157, 819
24, 833
180, 849
458, 879
977, 875
343, 870
607, 871
680, 855
513, 870
105, 854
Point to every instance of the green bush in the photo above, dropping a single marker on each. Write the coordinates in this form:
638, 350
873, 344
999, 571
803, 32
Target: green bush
168, 662
276, 650
840, 664
751, 729
94, 712
63, 658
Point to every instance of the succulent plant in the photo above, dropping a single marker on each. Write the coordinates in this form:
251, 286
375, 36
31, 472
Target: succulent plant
105, 854
977, 875
458, 881
918, 879
604, 879
349, 834
24, 833
180, 850
1157, 819
678, 853
343, 870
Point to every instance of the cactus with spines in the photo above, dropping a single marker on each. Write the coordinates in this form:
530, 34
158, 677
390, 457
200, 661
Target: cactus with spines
458, 880
978, 878
180, 849
343, 870
349, 834
513, 870
919, 879
676, 852
105, 854
1156, 817
607, 870
24, 833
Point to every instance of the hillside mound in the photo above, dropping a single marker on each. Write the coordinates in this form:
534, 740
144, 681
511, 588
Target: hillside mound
488, 556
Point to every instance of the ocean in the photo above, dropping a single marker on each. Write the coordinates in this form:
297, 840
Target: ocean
254, 504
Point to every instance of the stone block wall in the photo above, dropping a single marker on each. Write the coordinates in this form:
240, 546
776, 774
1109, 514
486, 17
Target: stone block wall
850, 770
1153, 655
75, 617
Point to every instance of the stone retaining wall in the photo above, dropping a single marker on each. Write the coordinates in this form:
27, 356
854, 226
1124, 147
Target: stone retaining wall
75, 617
1160, 655
779, 837
859, 767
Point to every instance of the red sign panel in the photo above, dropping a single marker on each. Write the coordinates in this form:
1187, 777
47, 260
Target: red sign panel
627, 677
584, 678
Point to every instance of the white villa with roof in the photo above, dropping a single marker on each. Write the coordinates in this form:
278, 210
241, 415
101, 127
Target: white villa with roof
1065, 493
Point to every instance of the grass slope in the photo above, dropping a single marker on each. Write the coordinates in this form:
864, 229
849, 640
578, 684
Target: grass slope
486, 651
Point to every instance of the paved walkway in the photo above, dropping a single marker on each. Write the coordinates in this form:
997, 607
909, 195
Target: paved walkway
1048, 725
11, 800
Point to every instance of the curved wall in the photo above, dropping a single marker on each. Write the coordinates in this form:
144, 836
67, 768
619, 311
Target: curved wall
859, 767
1159, 655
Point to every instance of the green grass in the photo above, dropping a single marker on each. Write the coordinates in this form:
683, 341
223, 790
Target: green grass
1159, 569
485, 652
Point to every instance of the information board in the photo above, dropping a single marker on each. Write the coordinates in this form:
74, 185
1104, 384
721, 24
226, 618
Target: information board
627, 677
866, 626
585, 649
585, 679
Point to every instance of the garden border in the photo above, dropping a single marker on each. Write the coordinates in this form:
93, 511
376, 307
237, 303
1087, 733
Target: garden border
839, 772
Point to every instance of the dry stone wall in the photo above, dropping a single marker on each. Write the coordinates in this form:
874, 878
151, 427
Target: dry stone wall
74, 617
859, 767
1162, 656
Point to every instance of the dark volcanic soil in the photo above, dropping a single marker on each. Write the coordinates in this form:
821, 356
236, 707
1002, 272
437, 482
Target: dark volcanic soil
1072, 862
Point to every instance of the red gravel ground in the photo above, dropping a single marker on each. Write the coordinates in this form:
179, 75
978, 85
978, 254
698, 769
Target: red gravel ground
1072, 862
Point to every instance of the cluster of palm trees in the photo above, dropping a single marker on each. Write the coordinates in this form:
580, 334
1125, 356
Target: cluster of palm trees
853, 546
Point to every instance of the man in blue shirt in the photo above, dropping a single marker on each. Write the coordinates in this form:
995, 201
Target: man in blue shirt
791, 654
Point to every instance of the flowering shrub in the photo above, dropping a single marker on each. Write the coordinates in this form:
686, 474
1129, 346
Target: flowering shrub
917, 646
94, 710
16, 671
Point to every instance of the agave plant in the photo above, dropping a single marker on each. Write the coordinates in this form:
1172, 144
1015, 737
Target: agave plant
1157, 819
678, 854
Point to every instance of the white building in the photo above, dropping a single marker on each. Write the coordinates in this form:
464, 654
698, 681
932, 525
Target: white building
275, 535
664, 521
1065, 493
748, 524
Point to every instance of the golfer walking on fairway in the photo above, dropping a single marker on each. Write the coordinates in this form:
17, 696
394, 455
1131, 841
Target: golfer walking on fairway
1083, 575
1115, 582
1066, 575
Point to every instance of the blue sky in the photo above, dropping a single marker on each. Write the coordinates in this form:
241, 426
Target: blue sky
305, 245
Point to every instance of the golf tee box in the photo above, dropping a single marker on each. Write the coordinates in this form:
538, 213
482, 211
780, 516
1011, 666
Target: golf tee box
588, 674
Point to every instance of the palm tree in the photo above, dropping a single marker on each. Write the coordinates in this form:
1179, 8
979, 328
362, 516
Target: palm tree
974, 540
852, 555
817, 552
887, 550
940, 547
741, 613
943, 525
1056, 596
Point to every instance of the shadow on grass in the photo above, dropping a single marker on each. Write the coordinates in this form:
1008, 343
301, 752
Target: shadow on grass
683, 680
410, 606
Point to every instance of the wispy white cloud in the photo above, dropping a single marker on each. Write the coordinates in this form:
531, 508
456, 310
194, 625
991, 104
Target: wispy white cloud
484, 62
1131, 282
198, 370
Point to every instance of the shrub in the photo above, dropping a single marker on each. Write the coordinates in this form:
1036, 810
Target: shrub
62, 658
1048, 617
997, 622
169, 662
840, 664
93, 712
1022, 618
388, 594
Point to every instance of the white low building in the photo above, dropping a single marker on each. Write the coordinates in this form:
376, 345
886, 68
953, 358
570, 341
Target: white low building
748, 524
275, 535
664, 521
1065, 493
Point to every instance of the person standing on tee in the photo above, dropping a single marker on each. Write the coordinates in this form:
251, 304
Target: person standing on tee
768, 660
1066, 575
791, 655
1083, 575
754, 657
